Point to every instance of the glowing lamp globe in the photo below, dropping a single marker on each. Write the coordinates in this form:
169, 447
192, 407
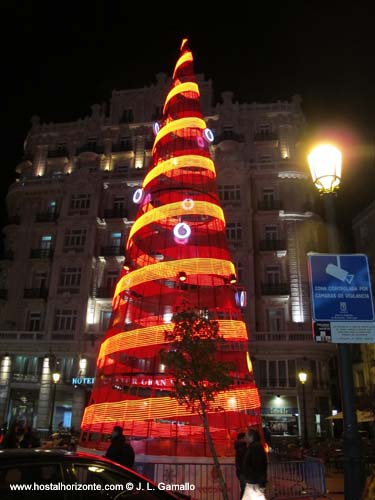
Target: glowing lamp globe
325, 167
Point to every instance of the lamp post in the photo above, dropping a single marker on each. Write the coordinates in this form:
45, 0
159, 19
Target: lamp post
325, 167
55, 379
302, 378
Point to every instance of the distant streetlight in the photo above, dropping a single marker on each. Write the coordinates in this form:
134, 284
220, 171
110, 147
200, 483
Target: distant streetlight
303, 378
325, 166
55, 378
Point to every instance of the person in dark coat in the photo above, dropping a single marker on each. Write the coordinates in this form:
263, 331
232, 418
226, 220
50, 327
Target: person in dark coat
120, 450
240, 447
254, 467
30, 439
10, 439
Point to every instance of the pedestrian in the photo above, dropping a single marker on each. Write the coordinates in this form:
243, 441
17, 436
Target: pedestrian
240, 447
267, 435
10, 439
254, 467
29, 439
120, 450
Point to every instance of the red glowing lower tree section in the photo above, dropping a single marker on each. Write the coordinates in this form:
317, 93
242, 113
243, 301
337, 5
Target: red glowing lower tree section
177, 256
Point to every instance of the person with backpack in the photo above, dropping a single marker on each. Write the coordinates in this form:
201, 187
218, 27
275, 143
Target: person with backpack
120, 450
254, 467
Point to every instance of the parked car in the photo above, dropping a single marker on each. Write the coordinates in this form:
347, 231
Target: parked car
55, 474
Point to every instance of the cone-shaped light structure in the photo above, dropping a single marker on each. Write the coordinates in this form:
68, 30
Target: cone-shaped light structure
177, 254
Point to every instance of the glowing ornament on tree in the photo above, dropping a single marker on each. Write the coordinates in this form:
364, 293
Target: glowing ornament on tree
181, 233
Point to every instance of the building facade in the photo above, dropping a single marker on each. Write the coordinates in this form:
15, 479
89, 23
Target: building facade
69, 215
364, 354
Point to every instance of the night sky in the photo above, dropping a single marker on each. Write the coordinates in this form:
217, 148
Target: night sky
59, 58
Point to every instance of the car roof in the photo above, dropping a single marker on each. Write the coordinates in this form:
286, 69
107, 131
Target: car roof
14, 454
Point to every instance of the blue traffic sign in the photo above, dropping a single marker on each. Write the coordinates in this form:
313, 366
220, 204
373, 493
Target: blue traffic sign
340, 287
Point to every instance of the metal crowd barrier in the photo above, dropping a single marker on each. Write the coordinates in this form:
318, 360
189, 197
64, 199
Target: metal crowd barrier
297, 479
286, 480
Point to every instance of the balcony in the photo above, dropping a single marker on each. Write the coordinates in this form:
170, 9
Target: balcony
90, 148
17, 335
266, 136
103, 293
13, 220
3, 294
46, 217
122, 146
35, 293
111, 251
25, 377
282, 336
67, 290
228, 135
41, 253
275, 289
269, 245
7, 255
270, 205
115, 213
58, 153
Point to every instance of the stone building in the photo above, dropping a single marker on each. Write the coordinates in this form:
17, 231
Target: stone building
69, 214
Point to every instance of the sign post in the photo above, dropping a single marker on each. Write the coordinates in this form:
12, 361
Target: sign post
342, 303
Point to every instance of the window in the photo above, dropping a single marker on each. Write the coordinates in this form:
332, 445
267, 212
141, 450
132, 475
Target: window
281, 368
234, 231
70, 277
272, 275
268, 196
122, 166
275, 320
291, 372
105, 318
118, 204
46, 242
229, 192
111, 279
65, 319
28, 474
34, 322
265, 157
270, 233
127, 116
65, 367
40, 279
100, 474
116, 240
264, 128
239, 269
52, 207
26, 365
80, 201
275, 373
272, 376
74, 239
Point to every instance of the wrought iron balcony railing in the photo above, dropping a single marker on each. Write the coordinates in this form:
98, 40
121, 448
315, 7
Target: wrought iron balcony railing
267, 245
275, 289
35, 293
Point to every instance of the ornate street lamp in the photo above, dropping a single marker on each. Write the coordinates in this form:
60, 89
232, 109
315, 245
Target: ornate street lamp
55, 378
325, 166
303, 378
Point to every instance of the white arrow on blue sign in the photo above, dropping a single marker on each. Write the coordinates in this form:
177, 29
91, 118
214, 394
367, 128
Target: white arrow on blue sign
340, 287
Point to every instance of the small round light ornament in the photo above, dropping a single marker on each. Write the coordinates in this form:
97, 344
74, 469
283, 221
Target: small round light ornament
138, 196
156, 128
208, 135
187, 204
181, 233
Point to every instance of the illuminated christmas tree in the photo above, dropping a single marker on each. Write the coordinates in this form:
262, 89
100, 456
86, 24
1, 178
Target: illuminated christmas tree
177, 253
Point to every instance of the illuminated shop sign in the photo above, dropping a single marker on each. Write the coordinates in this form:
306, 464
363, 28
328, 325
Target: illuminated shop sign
83, 380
